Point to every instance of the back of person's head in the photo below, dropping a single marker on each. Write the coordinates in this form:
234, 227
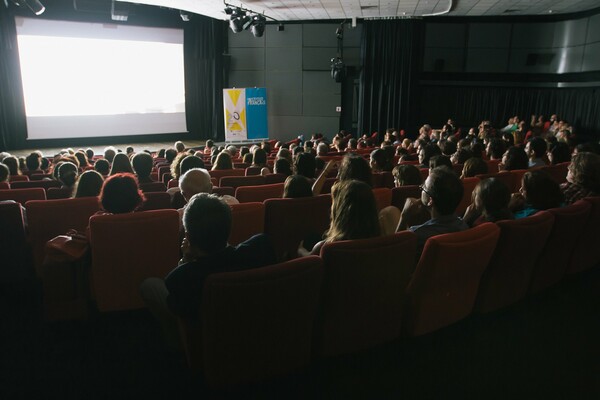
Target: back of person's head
379, 160
4, 173
406, 175
179, 146
244, 150
537, 147
266, 146
223, 161
584, 170
496, 148
207, 222
32, 161
462, 155
121, 164
355, 167
515, 158
260, 158
121, 194
428, 151
306, 165
492, 196
89, 184
102, 166
285, 153
477, 148
559, 153
541, 191
194, 181
109, 154
170, 155
474, 166
247, 158
439, 161
142, 164
67, 174
296, 186
190, 162
509, 139
448, 148
322, 149
283, 166
129, 150
446, 190
89, 153
12, 163
161, 153
588, 147
352, 144
353, 212
45, 163
210, 143
82, 158
175, 168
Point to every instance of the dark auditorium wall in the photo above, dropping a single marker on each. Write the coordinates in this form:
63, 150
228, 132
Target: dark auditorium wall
294, 66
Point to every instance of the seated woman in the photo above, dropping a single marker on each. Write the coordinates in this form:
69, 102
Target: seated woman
490, 203
121, 164
89, 184
474, 166
353, 215
67, 175
538, 192
514, 158
583, 178
296, 186
120, 194
407, 175
223, 161
380, 161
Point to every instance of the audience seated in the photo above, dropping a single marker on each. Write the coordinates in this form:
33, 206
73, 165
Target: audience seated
538, 192
223, 161
536, 151
142, 166
514, 158
121, 164
583, 178
120, 194
491, 198
406, 175
474, 166
89, 184
296, 186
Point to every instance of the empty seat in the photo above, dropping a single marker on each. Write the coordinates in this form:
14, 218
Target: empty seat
247, 220
237, 181
586, 254
363, 292
128, 248
507, 277
156, 201
23, 195
444, 286
18, 178
248, 194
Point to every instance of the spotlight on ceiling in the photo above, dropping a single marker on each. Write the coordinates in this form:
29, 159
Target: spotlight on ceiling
35, 6
237, 20
258, 25
185, 17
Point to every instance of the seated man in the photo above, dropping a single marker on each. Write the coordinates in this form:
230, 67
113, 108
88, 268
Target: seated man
142, 165
207, 222
440, 195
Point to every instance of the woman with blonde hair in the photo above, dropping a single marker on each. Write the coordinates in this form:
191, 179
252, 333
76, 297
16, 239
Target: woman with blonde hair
223, 161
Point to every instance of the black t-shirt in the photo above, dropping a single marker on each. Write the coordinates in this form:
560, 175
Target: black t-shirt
185, 283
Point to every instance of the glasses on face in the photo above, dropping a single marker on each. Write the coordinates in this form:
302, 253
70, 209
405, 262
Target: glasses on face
422, 187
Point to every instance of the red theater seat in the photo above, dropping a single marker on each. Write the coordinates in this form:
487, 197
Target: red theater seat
219, 173
237, 181
153, 187
401, 193
383, 197
586, 254
248, 219
35, 184
156, 201
23, 195
16, 262
18, 178
248, 194
468, 187
58, 193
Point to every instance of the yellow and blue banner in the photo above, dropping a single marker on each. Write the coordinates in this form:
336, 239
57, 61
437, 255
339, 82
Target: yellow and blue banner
245, 114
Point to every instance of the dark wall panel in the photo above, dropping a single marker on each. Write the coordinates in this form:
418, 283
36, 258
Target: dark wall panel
290, 37
570, 33
319, 35
489, 35
533, 35
247, 79
593, 31
445, 35
591, 57
283, 59
487, 60
318, 58
444, 59
247, 59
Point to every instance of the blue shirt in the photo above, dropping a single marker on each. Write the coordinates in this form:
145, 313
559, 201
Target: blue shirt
437, 226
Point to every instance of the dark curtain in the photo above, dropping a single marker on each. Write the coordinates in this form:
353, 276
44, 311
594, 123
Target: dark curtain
391, 53
12, 109
204, 40
470, 105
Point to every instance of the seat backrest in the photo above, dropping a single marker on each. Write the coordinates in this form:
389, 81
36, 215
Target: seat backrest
58, 193
468, 187
128, 248
258, 323
247, 220
251, 171
506, 177
274, 178
162, 171
363, 292
4, 185
444, 286
173, 183
424, 173
23, 195
223, 191
237, 181
492, 166
156, 201
558, 172
556, 256
18, 178
327, 185
248, 194
289, 221
35, 184
16, 264
153, 187
401, 193
383, 197
586, 254
219, 173
39, 177
50, 218
517, 178
507, 277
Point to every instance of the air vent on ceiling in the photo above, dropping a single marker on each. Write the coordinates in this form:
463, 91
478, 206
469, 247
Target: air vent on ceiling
368, 7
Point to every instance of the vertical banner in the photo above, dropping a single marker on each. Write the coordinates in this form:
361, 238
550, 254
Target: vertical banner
245, 114
234, 103
256, 113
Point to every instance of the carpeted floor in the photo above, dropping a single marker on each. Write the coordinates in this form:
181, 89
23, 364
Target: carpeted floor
545, 347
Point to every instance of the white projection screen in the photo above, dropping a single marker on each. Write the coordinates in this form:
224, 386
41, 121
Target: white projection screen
90, 80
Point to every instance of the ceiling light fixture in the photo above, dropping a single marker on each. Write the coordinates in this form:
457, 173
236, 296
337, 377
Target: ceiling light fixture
241, 19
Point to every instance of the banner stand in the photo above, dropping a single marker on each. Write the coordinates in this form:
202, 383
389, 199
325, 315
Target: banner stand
245, 115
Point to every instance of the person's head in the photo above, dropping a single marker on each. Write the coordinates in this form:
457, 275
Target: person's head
284, 153
4, 173
491, 197
121, 164
509, 139
129, 150
223, 161
496, 148
32, 161
266, 146
442, 191
179, 146
121, 194
379, 160
190, 162
260, 158
353, 212
322, 149
109, 154
243, 151
210, 143
352, 144
82, 158
305, 165
355, 167
559, 153
477, 148
194, 181
540, 190
45, 164
247, 158
283, 166
12, 163
89, 184
428, 151
515, 158
584, 170
89, 153
67, 174
170, 155
142, 164
296, 186
207, 223
406, 175
440, 160
102, 166
536, 147
588, 147
474, 166
448, 148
